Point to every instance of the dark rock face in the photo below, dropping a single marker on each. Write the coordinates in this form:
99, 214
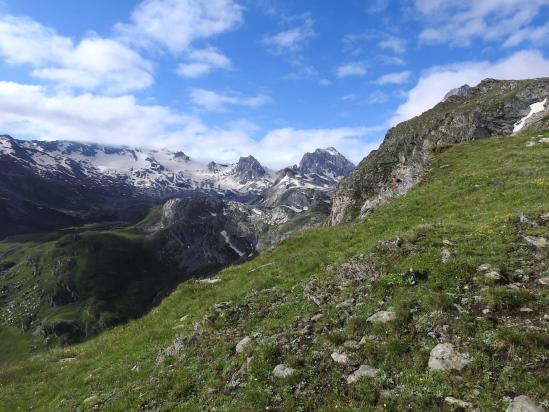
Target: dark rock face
325, 162
202, 233
489, 109
249, 169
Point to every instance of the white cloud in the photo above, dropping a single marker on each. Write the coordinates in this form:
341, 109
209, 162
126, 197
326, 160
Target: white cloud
351, 69
289, 144
459, 22
291, 40
325, 82
395, 78
215, 102
393, 43
201, 62
94, 63
436, 82
31, 111
176, 24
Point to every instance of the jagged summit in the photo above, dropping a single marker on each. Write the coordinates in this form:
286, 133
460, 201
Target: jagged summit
248, 169
462, 91
325, 162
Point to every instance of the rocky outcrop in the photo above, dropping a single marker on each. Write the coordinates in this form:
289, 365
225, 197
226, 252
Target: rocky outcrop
201, 233
490, 109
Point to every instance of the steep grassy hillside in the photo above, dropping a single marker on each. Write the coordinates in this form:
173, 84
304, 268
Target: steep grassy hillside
66, 286
309, 301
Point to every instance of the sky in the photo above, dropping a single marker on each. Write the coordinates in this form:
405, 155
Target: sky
220, 79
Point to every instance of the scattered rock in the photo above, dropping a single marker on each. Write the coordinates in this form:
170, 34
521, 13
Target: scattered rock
444, 357
317, 317
90, 399
527, 310
544, 140
458, 403
484, 267
544, 281
135, 368
346, 303
283, 371
183, 318
66, 360
242, 344
364, 370
340, 358
382, 316
445, 255
367, 338
493, 275
538, 242
523, 218
523, 403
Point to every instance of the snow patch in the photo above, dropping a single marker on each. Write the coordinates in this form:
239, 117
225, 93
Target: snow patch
231, 245
534, 108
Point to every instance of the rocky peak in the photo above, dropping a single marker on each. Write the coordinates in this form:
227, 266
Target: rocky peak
248, 169
325, 162
462, 91
181, 156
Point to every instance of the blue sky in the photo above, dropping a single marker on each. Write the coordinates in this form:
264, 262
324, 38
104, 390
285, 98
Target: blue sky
223, 78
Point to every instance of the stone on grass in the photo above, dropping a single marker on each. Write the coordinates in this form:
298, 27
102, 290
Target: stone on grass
317, 317
450, 400
544, 140
445, 255
240, 346
340, 358
523, 403
493, 275
67, 360
538, 242
544, 281
382, 316
283, 371
364, 370
484, 267
345, 304
444, 357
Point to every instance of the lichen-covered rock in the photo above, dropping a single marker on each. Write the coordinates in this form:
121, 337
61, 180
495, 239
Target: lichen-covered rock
523, 403
340, 358
382, 316
490, 109
444, 357
363, 370
282, 371
241, 346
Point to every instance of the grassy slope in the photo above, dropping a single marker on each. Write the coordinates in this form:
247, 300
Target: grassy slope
473, 197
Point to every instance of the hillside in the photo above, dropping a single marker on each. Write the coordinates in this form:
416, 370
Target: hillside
492, 108
308, 305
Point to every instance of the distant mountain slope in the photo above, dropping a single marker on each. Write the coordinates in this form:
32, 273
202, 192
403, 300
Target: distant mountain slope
490, 109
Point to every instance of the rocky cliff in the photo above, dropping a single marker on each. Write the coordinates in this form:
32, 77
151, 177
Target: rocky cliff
492, 108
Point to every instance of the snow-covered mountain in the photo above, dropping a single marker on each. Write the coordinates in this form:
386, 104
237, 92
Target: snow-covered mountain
153, 172
44, 185
299, 186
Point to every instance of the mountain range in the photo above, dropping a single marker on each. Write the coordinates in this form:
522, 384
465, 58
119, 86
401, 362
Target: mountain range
48, 185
